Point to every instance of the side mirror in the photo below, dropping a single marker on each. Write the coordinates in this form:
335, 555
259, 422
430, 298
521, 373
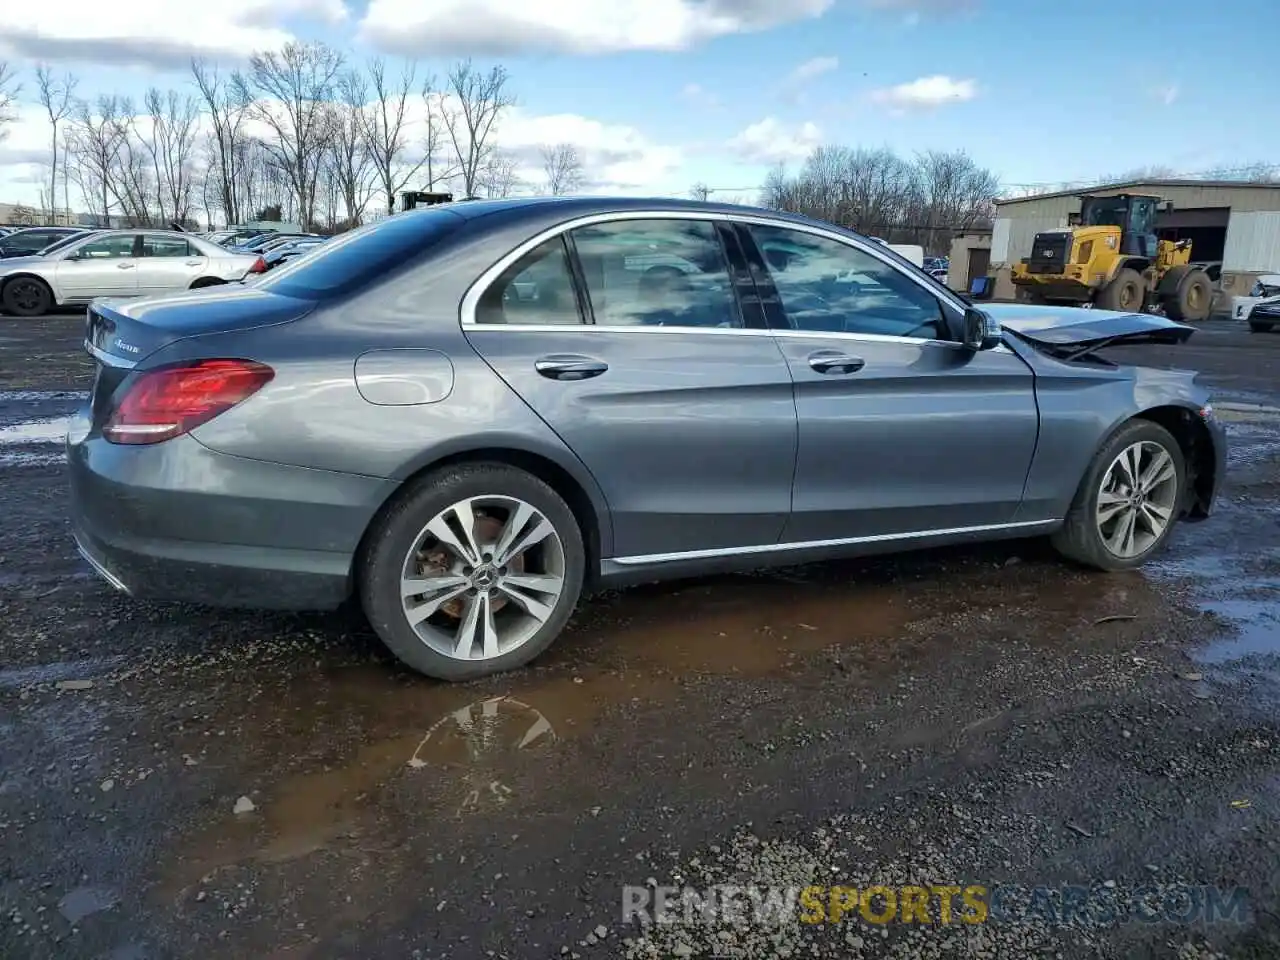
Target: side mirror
981, 331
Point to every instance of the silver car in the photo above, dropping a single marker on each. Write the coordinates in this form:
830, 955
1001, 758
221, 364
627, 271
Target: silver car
467, 415
118, 263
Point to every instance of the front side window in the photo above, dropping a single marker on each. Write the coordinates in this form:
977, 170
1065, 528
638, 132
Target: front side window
115, 247
832, 287
165, 246
656, 273
537, 289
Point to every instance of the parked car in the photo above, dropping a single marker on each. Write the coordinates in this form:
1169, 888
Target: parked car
468, 414
117, 263
1265, 292
1265, 314
263, 243
31, 240
284, 252
236, 235
65, 242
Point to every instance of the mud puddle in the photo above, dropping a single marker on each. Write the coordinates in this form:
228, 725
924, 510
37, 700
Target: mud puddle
338, 753
1254, 630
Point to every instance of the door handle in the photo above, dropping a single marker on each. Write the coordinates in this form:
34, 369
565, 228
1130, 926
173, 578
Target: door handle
194, 263
570, 367
125, 266
828, 361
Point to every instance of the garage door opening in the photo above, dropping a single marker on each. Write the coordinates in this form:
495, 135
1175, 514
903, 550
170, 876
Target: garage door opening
1205, 227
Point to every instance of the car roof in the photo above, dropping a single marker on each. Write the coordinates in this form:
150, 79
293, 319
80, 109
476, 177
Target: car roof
557, 209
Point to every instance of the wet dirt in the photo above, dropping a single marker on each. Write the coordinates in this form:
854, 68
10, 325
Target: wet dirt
991, 702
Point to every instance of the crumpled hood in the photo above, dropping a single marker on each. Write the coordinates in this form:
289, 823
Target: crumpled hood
1073, 327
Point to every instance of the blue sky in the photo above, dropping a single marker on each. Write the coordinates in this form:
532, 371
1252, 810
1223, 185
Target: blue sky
717, 90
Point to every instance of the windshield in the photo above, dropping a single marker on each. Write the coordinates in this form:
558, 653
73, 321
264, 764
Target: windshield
1108, 212
64, 242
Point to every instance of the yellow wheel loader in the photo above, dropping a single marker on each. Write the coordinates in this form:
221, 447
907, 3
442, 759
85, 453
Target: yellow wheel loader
1112, 259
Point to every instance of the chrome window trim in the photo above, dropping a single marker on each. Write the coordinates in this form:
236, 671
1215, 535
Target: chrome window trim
655, 558
471, 299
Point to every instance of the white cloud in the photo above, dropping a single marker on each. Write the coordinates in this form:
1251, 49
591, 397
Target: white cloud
154, 33
771, 141
1168, 94
700, 95
926, 92
504, 27
919, 7
616, 158
813, 68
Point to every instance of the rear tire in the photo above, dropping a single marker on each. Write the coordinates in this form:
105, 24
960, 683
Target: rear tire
1095, 535
206, 282
482, 607
1260, 326
1193, 300
1126, 293
27, 297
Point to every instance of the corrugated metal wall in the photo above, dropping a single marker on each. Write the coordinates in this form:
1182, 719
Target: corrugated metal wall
1253, 243
1028, 217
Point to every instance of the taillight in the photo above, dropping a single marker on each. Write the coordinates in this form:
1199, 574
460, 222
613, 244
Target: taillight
259, 266
166, 403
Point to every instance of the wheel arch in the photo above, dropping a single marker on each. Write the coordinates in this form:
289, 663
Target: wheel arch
1137, 264
1196, 443
29, 276
585, 502
200, 282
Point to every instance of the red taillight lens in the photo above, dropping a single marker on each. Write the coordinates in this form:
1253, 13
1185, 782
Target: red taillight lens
259, 266
162, 404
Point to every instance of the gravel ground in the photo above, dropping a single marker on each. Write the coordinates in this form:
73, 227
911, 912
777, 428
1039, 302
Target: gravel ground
181, 782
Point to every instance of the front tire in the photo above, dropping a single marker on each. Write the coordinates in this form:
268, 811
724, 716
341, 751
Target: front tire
1260, 326
1126, 292
1128, 501
27, 297
1193, 300
473, 570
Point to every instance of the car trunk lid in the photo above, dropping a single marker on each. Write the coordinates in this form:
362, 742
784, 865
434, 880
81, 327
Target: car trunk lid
120, 334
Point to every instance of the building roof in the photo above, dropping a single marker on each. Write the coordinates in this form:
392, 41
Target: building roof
1142, 184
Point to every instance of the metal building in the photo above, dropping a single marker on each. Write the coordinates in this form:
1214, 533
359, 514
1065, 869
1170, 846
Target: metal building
1231, 223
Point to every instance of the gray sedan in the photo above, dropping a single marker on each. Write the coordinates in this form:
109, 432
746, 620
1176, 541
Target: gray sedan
468, 415
117, 263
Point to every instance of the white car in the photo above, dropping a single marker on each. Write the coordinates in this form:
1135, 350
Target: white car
1266, 288
118, 263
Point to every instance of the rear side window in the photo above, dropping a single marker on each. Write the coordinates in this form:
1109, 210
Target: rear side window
348, 262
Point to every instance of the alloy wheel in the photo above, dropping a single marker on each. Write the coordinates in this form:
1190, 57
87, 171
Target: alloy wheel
482, 577
1137, 499
26, 294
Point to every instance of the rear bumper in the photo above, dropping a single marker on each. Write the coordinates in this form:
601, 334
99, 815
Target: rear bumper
178, 521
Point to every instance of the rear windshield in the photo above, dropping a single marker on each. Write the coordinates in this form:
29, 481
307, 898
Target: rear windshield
349, 261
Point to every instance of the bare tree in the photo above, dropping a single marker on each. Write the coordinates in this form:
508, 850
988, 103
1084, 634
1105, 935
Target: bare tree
386, 128
352, 160
440, 167
226, 111
480, 100
700, 191
927, 200
57, 96
289, 92
174, 123
562, 167
9, 90
500, 176
97, 152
